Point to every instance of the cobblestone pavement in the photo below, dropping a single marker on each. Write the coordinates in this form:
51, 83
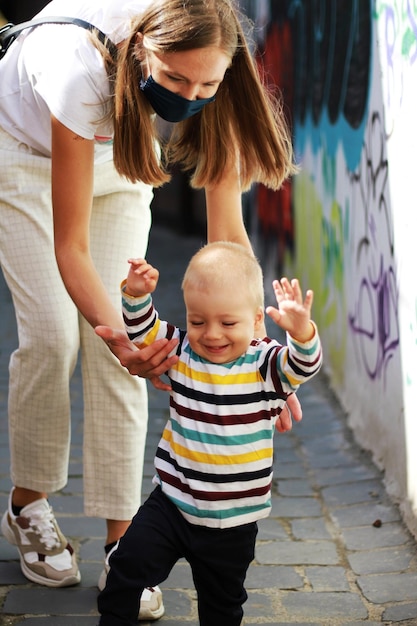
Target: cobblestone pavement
334, 551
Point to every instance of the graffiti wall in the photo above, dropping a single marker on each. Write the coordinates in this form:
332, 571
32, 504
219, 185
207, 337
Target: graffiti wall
346, 224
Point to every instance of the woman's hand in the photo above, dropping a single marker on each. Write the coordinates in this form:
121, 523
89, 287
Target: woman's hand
291, 411
150, 362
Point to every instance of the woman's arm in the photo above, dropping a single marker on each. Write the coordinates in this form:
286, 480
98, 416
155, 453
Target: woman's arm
225, 223
224, 211
72, 197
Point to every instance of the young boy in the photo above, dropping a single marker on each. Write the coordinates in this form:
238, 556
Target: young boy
214, 461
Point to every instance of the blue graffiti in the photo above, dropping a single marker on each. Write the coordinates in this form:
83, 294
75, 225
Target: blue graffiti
333, 46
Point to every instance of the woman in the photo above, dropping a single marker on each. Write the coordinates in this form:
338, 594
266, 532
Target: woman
78, 161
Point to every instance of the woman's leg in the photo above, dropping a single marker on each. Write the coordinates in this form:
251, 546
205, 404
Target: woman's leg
115, 402
47, 324
42, 364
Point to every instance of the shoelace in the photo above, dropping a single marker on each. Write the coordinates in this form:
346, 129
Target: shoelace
41, 521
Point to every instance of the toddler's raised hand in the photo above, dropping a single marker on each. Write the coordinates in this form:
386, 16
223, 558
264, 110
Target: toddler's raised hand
142, 278
293, 313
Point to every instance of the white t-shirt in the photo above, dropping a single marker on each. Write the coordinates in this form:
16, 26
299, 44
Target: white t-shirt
55, 69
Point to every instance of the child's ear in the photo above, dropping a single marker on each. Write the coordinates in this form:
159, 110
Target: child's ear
259, 319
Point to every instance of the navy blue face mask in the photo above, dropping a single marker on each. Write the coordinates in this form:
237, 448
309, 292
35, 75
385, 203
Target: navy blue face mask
169, 105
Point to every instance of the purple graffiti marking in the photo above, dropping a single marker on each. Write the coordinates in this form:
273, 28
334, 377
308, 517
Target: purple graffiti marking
374, 320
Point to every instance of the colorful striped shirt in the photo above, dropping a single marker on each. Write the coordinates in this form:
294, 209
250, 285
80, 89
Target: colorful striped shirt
214, 459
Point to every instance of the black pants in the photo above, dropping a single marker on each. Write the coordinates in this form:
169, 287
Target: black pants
159, 536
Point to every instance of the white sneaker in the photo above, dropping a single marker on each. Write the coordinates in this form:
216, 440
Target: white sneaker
46, 557
151, 605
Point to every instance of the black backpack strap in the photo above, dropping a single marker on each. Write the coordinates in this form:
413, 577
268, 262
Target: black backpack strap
9, 32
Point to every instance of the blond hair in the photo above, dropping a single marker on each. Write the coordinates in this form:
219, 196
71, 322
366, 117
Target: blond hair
225, 265
244, 127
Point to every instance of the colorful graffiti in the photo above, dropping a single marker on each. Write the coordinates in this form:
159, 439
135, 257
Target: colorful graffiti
319, 55
344, 199
322, 240
350, 257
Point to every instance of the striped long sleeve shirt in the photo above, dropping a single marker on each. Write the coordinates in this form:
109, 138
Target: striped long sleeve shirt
214, 459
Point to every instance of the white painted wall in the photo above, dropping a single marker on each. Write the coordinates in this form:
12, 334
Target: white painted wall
356, 245
396, 30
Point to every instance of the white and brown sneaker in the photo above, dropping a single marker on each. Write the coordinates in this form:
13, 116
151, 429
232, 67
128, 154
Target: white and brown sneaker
151, 604
46, 557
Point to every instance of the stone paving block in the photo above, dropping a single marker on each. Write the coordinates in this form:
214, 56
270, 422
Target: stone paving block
83, 527
58, 621
286, 454
383, 588
401, 612
4, 443
65, 505
355, 623
286, 506
75, 467
278, 577
91, 550
285, 440
149, 468
77, 438
314, 528
157, 400
309, 394
384, 560
90, 573
293, 487
327, 578
147, 487
326, 441
283, 622
297, 553
4, 459
363, 491
180, 577
314, 423
370, 537
178, 604
340, 475
61, 601
258, 605
73, 486
365, 514
173, 622
334, 458
272, 528
323, 606
5, 482
282, 469
11, 574
7, 551
4, 501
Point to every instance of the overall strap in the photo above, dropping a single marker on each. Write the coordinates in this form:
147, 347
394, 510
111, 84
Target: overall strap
9, 32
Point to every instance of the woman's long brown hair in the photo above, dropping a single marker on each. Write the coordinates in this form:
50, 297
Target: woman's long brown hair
244, 127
